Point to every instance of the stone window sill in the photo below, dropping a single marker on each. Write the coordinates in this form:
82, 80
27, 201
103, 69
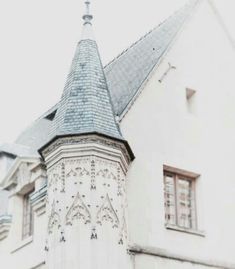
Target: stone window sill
22, 244
184, 230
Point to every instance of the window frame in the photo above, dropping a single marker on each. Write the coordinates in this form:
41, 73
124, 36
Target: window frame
27, 233
177, 174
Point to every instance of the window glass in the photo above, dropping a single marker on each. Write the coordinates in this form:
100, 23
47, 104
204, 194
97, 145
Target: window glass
27, 217
179, 200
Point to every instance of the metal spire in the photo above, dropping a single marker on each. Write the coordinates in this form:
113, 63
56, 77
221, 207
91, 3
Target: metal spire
87, 17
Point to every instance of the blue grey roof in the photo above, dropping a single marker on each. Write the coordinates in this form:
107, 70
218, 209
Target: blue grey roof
36, 135
128, 72
18, 150
85, 106
124, 76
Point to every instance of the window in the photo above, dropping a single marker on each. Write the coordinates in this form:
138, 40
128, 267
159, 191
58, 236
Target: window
27, 217
179, 192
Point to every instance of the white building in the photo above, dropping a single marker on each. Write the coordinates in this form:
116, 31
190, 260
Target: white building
134, 167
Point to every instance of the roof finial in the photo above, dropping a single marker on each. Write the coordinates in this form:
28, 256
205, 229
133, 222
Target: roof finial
87, 17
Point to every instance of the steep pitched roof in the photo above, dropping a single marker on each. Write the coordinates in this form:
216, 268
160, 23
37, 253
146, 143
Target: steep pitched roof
124, 75
86, 106
127, 72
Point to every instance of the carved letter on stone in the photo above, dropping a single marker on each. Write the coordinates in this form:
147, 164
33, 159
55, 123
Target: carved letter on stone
78, 210
107, 213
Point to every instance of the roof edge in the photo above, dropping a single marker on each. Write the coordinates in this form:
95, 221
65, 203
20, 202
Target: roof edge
125, 142
146, 34
169, 47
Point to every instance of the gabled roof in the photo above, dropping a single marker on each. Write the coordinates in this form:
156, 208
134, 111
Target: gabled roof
124, 75
8, 179
128, 71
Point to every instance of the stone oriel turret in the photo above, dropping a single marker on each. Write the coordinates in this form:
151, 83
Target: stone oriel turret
87, 161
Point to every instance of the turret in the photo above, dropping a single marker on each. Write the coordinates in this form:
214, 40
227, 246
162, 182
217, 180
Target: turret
87, 161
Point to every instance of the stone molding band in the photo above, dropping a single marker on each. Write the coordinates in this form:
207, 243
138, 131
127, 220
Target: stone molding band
137, 250
89, 138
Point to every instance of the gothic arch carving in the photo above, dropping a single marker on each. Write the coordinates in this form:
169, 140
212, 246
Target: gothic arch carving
71, 174
78, 210
106, 173
107, 213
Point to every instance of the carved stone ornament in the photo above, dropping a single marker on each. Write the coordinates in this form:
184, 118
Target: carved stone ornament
93, 182
93, 195
85, 140
77, 172
78, 210
123, 230
106, 173
54, 179
107, 213
46, 248
54, 219
62, 236
62, 178
119, 193
94, 233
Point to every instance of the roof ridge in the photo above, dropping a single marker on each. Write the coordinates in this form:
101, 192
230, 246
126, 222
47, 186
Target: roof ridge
129, 47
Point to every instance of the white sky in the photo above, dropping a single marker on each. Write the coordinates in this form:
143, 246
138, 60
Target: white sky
38, 40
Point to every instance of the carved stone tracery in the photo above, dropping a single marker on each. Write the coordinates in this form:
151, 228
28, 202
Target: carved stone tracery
105, 202
106, 173
123, 230
107, 213
78, 210
93, 181
54, 219
86, 140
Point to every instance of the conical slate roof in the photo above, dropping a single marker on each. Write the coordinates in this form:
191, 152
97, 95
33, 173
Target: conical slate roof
125, 75
85, 106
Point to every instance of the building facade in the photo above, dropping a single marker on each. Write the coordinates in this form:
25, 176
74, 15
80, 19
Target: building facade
133, 167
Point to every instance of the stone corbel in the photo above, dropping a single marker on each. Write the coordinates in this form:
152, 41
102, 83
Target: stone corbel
5, 225
38, 200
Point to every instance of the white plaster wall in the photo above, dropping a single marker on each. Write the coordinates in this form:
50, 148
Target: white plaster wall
3, 202
161, 131
5, 163
2, 166
158, 262
16, 253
